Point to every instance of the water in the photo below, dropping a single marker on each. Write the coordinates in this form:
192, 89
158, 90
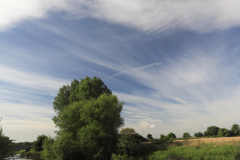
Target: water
16, 157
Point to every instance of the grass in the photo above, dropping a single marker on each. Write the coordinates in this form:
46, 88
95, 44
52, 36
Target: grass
200, 151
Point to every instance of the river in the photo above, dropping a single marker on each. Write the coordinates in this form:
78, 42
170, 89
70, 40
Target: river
16, 157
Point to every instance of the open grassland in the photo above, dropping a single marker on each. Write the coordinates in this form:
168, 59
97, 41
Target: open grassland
209, 140
204, 149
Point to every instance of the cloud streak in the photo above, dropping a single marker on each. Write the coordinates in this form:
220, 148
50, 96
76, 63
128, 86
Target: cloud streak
147, 16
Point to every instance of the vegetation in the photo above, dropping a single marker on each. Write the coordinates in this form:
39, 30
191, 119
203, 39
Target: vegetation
88, 118
186, 135
212, 130
235, 130
206, 151
149, 137
171, 135
6, 145
199, 134
37, 145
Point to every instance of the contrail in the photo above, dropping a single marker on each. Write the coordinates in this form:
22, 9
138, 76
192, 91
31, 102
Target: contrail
134, 69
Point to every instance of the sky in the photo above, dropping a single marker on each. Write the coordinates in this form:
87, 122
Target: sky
175, 63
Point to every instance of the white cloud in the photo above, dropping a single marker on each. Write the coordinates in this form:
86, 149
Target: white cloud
148, 16
31, 79
152, 126
188, 95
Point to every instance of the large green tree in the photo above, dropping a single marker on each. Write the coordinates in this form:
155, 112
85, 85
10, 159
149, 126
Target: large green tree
88, 118
6, 145
90, 128
85, 89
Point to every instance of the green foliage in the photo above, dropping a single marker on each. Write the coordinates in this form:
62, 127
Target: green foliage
127, 132
199, 134
186, 135
89, 128
211, 131
37, 145
162, 136
128, 149
202, 151
86, 89
88, 118
171, 135
223, 132
6, 145
48, 152
235, 130
131, 135
165, 139
149, 137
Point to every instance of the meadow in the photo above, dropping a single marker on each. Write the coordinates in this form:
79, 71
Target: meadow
227, 148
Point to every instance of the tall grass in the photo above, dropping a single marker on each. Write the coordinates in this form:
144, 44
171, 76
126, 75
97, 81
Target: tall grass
200, 151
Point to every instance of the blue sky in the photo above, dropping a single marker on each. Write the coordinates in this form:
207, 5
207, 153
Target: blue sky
176, 64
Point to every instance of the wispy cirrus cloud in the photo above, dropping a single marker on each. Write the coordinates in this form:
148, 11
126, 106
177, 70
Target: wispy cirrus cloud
148, 16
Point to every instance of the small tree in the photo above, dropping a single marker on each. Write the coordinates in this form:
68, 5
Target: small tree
149, 136
186, 135
37, 145
235, 130
162, 136
171, 135
199, 134
128, 132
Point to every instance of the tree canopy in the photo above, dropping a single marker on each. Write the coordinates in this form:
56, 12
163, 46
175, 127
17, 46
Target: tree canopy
171, 135
149, 136
91, 126
223, 132
199, 134
128, 132
88, 118
37, 145
235, 130
85, 89
186, 134
211, 131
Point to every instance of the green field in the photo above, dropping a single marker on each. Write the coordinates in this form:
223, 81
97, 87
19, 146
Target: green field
199, 151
